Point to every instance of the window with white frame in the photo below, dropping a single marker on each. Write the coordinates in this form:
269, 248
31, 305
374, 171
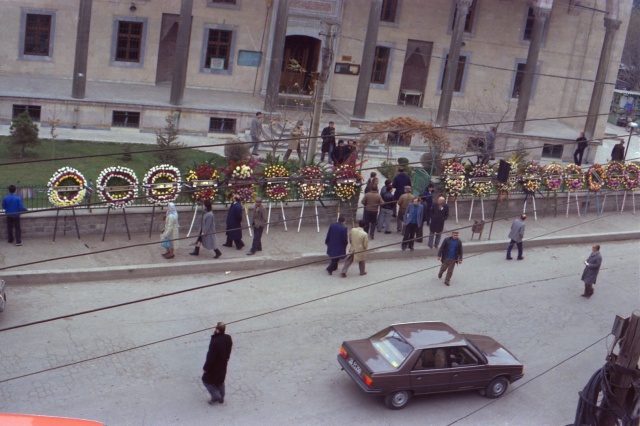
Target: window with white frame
470, 20
380, 65
518, 76
389, 10
528, 26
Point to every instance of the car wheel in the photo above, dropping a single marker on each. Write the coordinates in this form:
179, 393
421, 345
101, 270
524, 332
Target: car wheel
497, 387
397, 400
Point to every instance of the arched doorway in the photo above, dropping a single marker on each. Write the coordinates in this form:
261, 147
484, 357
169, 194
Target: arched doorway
299, 65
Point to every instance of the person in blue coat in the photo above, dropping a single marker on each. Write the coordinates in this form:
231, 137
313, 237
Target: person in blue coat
12, 206
234, 224
336, 241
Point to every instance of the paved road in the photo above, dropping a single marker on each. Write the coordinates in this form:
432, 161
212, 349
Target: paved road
283, 369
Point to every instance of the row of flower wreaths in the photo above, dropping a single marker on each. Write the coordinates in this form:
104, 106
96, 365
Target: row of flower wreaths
118, 187
531, 177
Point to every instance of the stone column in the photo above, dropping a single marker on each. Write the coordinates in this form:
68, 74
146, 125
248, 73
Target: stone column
610, 28
179, 79
368, 56
277, 53
526, 88
82, 50
448, 83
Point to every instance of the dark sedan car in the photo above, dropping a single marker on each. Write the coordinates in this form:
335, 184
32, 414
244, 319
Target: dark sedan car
428, 357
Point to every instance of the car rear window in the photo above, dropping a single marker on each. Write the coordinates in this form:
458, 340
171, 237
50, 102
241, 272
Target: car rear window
391, 346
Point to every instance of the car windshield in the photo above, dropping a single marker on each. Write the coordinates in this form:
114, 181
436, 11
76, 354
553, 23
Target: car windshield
391, 346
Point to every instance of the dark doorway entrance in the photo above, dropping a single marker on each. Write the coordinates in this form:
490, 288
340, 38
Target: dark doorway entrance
300, 62
167, 48
415, 72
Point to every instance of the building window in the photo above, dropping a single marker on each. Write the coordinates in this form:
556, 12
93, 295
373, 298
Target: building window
125, 119
528, 26
389, 10
224, 4
33, 110
460, 74
517, 82
552, 151
222, 125
37, 34
470, 19
218, 50
380, 65
129, 41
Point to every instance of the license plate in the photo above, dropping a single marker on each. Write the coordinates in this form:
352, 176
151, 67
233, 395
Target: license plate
355, 366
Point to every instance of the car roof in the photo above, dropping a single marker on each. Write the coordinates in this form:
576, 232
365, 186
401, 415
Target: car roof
32, 420
429, 333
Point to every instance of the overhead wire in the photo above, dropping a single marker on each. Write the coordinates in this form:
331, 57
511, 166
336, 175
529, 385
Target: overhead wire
240, 320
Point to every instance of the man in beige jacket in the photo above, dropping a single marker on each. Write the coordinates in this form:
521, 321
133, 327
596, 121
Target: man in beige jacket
359, 243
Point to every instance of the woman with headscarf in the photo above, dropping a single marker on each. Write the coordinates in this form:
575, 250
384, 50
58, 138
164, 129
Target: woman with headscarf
294, 143
171, 227
207, 237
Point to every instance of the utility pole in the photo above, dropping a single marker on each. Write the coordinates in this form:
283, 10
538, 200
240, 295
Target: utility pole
327, 60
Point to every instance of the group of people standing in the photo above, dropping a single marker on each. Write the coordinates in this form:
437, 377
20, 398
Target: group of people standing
340, 153
207, 235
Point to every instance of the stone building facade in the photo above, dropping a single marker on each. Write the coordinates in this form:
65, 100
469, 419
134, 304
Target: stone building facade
221, 58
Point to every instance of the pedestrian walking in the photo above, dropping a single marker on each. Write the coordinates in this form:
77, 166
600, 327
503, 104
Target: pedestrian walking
386, 209
412, 218
207, 236
371, 202
234, 224
328, 141
336, 240
170, 232
294, 143
215, 366
258, 221
579, 152
617, 153
399, 183
403, 202
450, 254
12, 206
256, 132
591, 269
439, 214
516, 235
357, 253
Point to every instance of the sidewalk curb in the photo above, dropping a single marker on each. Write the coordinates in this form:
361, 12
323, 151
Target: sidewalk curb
212, 266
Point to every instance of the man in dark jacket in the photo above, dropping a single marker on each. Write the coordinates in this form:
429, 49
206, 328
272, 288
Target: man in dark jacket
328, 140
234, 224
399, 183
579, 152
439, 213
591, 269
451, 255
215, 367
617, 153
336, 241
339, 153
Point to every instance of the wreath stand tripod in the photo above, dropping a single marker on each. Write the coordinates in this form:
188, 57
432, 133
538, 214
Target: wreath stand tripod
124, 213
284, 219
75, 219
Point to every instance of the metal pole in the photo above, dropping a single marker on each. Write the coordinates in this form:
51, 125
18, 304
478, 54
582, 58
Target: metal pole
633, 127
327, 60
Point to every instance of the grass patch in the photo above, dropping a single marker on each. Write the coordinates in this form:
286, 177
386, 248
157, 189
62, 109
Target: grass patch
111, 154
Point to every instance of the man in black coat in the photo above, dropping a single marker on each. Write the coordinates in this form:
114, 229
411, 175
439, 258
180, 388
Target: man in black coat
328, 140
234, 224
215, 367
401, 181
339, 153
439, 213
617, 153
337, 240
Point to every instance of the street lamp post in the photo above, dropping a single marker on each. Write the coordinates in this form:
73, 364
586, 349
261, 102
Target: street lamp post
633, 125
